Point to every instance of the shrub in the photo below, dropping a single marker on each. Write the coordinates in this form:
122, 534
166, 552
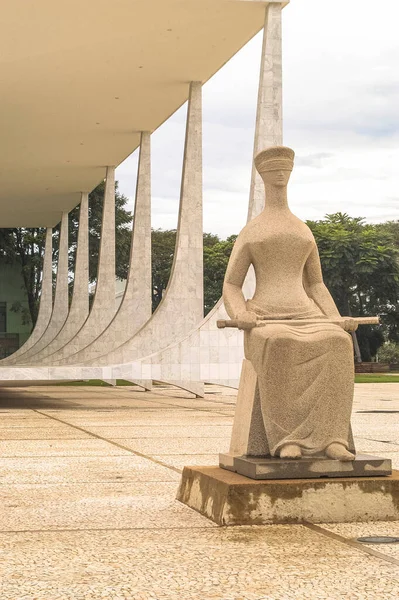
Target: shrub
389, 353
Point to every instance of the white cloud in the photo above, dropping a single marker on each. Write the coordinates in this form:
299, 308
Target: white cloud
341, 116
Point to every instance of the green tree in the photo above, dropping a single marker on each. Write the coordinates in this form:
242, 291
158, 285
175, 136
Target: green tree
24, 247
123, 225
162, 248
392, 228
216, 257
389, 353
361, 269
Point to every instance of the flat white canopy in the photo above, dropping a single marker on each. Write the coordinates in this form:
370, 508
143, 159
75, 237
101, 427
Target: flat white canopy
81, 78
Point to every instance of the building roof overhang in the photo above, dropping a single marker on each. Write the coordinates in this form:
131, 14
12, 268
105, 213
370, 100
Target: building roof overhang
81, 79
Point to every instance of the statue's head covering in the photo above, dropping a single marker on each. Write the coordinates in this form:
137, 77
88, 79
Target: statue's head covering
275, 159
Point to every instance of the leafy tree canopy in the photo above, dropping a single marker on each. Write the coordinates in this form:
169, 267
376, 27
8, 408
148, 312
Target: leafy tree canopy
360, 263
216, 257
361, 269
162, 249
24, 247
389, 353
123, 224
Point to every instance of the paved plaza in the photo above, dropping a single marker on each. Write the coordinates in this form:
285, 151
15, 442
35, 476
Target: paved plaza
88, 482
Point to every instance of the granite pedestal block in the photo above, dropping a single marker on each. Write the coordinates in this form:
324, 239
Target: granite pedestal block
231, 499
364, 465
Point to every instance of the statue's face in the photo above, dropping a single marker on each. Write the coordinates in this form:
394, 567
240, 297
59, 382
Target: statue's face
278, 178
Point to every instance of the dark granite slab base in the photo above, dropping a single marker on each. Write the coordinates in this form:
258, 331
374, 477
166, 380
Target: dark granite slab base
364, 465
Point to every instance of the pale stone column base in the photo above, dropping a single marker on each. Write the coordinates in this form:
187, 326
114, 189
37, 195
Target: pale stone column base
230, 499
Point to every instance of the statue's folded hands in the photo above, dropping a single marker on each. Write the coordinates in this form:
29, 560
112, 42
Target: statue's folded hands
246, 320
349, 324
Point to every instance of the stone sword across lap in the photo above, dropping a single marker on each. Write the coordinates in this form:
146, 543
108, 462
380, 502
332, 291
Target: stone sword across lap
221, 324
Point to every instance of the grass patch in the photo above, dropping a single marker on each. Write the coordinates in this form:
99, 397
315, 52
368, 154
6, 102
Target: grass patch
95, 383
359, 378
376, 378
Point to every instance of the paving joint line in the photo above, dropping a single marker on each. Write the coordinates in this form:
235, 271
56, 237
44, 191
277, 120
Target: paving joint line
188, 407
92, 482
387, 442
121, 446
169, 406
351, 543
64, 530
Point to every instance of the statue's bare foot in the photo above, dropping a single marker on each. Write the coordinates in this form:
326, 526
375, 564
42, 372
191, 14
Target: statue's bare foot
290, 451
339, 452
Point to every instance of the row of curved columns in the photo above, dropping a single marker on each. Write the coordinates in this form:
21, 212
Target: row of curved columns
174, 344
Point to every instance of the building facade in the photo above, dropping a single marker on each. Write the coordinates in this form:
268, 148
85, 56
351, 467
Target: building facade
15, 322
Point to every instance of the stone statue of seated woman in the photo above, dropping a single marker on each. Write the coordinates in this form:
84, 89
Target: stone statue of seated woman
305, 371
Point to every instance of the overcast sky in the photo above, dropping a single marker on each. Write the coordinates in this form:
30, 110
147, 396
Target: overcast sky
341, 116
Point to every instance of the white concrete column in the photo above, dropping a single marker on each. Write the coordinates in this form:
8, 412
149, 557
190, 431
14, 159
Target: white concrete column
221, 352
46, 302
181, 308
269, 116
135, 308
138, 293
190, 233
103, 308
61, 297
80, 298
104, 298
208, 354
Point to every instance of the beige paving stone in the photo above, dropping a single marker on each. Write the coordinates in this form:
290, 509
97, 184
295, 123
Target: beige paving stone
85, 447
181, 460
258, 563
385, 434
41, 433
83, 469
160, 430
353, 531
177, 445
201, 404
107, 403
81, 412
95, 506
373, 421
19, 414
27, 422
120, 533
148, 420
368, 445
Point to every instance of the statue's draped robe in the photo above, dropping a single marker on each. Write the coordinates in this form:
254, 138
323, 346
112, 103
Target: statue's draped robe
305, 376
